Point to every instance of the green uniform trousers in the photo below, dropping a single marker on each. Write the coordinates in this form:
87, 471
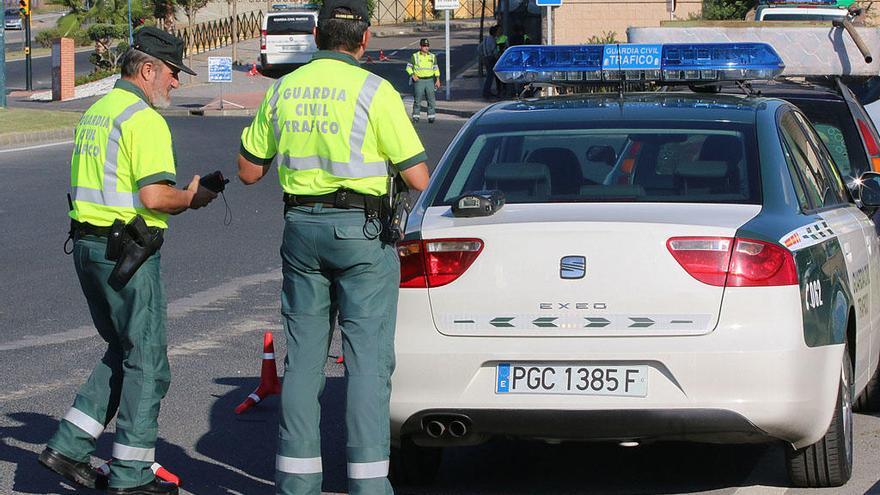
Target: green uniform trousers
424, 88
329, 264
132, 376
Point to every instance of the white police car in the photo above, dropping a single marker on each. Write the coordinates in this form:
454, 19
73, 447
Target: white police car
664, 266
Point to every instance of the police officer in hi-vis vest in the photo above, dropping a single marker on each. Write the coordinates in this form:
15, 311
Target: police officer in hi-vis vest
337, 132
422, 68
122, 191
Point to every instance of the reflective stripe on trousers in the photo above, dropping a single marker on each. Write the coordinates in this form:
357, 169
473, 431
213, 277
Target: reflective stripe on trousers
84, 422
108, 195
127, 453
355, 167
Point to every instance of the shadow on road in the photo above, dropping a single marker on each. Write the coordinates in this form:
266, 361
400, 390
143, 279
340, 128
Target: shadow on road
248, 441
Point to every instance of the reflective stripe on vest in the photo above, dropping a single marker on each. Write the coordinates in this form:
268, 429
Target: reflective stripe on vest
107, 195
298, 465
356, 167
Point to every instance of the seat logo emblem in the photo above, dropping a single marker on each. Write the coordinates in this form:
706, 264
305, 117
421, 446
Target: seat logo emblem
572, 267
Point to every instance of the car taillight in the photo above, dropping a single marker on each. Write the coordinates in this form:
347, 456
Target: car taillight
263, 39
870, 144
435, 262
726, 261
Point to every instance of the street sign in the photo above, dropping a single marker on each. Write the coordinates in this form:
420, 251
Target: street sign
549, 3
446, 4
631, 57
219, 69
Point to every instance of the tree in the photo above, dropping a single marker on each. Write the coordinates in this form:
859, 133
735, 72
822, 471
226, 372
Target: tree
191, 8
720, 10
164, 12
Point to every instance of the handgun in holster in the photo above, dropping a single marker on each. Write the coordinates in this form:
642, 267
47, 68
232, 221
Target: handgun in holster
131, 244
399, 208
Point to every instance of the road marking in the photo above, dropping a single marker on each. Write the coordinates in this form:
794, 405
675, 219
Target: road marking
405, 46
176, 309
35, 147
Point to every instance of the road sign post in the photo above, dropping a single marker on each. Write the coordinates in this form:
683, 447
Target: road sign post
2, 65
220, 70
549, 4
446, 6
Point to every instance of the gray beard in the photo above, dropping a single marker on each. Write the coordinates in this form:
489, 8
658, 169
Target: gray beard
161, 101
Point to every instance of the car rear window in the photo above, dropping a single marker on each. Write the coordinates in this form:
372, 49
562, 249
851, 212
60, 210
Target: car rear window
290, 24
620, 162
835, 126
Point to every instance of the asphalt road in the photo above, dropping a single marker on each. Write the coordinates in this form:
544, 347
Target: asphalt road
222, 285
42, 71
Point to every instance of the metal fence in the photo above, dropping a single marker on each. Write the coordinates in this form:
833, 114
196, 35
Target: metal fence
401, 11
209, 35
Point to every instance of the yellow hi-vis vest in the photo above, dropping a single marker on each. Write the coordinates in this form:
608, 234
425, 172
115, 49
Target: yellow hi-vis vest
330, 125
121, 145
423, 65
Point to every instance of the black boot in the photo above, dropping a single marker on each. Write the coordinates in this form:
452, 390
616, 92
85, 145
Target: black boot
154, 487
81, 473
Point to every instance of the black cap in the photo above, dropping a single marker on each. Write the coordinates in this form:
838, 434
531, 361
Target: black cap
357, 10
424, 42
162, 45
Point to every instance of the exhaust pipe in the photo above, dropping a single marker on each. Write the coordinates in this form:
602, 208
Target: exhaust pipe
435, 428
457, 429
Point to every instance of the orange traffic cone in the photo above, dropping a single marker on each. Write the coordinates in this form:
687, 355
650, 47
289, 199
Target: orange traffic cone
253, 71
160, 472
269, 383
382, 57
369, 59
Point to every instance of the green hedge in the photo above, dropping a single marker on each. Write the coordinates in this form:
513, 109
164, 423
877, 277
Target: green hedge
45, 38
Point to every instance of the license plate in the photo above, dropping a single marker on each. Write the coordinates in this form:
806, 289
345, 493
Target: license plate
571, 379
290, 48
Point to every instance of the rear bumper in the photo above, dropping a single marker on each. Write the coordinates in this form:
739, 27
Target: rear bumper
285, 59
752, 377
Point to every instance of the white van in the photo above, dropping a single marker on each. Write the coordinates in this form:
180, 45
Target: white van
286, 38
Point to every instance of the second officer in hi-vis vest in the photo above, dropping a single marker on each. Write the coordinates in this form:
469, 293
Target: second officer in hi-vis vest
337, 133
422, 68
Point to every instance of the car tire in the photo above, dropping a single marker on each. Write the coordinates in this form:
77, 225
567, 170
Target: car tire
412, 465
828, 462
869, 400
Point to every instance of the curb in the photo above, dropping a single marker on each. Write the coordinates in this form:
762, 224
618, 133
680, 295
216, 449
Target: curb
431, 26
14, 139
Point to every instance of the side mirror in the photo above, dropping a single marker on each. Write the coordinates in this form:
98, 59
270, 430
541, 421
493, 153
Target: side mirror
868, 189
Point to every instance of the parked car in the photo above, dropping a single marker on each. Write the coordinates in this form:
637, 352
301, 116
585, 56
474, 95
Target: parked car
664, 266
12, 19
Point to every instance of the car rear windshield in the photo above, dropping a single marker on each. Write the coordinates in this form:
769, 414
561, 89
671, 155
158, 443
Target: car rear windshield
10, 12
290, 24
835, 126
707, 162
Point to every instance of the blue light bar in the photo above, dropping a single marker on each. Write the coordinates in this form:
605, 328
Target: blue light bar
672, 63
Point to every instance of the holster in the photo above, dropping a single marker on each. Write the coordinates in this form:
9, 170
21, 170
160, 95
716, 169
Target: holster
138, 242
394, 217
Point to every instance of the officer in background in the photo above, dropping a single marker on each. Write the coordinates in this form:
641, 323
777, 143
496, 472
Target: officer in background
422, 68
123, 165
336, 132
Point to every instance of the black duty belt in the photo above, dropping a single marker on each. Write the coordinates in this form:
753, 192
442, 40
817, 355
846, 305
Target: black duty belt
341, 198
89, 229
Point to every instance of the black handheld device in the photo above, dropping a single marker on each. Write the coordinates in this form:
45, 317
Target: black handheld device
214, 181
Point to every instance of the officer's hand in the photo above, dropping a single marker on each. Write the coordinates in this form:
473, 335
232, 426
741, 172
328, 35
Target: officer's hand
415, 78
201, 196
436, 84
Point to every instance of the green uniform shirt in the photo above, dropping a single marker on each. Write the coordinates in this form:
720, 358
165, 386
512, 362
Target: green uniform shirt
423, 65
331, 124
121, 144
